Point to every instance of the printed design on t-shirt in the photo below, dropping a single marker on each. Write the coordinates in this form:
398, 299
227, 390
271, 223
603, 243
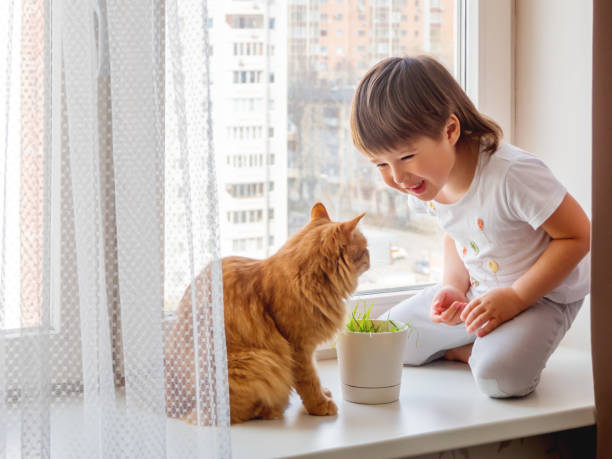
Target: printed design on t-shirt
494, 267
426, 207
488, 266
475, 248
488, 271
480, 224
491, 264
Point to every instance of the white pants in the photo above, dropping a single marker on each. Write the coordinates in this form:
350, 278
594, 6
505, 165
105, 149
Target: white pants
505, 363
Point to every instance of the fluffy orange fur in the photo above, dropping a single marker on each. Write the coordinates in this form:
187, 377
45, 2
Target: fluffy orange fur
277, 311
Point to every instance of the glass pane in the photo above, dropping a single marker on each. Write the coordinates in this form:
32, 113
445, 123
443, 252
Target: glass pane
21, 160
283, 77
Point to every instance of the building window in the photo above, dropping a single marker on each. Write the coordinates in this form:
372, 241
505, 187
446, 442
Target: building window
236, 21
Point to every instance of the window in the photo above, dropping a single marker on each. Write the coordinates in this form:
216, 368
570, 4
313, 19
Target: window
304, 156
247, 21
248, 49
247, 190
247, 104
25, 136
305, 148
247, 76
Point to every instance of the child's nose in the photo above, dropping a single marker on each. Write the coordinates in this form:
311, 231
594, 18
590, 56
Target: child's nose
399, 176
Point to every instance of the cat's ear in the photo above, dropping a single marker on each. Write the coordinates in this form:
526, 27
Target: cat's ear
349, 226
319, 211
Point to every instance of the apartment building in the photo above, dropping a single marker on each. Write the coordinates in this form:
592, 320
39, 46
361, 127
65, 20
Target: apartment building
249, 109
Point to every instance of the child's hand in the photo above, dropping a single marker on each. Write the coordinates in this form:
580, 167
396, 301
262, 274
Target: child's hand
447, 305
493, 309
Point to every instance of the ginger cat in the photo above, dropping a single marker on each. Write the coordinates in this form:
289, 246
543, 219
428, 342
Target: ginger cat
277, 311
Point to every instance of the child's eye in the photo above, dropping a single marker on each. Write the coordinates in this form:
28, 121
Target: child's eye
406, 157
381, 165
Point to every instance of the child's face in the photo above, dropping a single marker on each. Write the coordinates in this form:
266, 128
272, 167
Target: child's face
421, 168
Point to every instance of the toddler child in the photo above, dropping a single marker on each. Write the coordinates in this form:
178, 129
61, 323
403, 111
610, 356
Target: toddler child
515, 244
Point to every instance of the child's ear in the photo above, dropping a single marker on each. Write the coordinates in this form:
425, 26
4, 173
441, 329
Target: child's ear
319, 211
349, 226
453, 129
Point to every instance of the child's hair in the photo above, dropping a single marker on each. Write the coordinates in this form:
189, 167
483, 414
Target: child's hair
402, 99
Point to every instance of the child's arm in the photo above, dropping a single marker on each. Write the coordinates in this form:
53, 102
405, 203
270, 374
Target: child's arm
570, 230
455, 272
449, 301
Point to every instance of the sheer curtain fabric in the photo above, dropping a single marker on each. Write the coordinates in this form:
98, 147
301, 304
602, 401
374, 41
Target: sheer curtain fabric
108, 210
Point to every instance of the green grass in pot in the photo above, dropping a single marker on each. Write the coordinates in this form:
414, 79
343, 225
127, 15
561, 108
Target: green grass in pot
360, 322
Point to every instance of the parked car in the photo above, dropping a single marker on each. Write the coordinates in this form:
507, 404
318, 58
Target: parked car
397, 253
421, 267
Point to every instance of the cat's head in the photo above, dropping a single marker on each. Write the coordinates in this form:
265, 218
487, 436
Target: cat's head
337, 249
341, 240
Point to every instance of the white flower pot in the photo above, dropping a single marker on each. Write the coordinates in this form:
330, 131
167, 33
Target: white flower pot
371, 364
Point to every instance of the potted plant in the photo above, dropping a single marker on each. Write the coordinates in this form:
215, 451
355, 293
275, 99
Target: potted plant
370, 358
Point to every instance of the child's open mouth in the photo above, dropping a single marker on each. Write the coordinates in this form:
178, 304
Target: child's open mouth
419, 188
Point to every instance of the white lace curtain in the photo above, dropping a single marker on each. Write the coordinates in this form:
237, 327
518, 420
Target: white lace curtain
108, 209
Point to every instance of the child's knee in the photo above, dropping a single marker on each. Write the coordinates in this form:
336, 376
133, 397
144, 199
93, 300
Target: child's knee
503, 379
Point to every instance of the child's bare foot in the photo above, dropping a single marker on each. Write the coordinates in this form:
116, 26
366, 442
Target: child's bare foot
461, 353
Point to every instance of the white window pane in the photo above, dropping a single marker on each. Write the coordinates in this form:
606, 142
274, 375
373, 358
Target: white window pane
309, 78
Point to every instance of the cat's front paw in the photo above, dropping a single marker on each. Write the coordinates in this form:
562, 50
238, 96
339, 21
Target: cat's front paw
323, 407
326, 392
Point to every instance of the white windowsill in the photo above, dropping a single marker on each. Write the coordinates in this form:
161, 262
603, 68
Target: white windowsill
440, 408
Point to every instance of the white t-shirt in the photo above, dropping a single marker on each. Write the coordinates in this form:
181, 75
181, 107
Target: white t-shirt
496, 225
